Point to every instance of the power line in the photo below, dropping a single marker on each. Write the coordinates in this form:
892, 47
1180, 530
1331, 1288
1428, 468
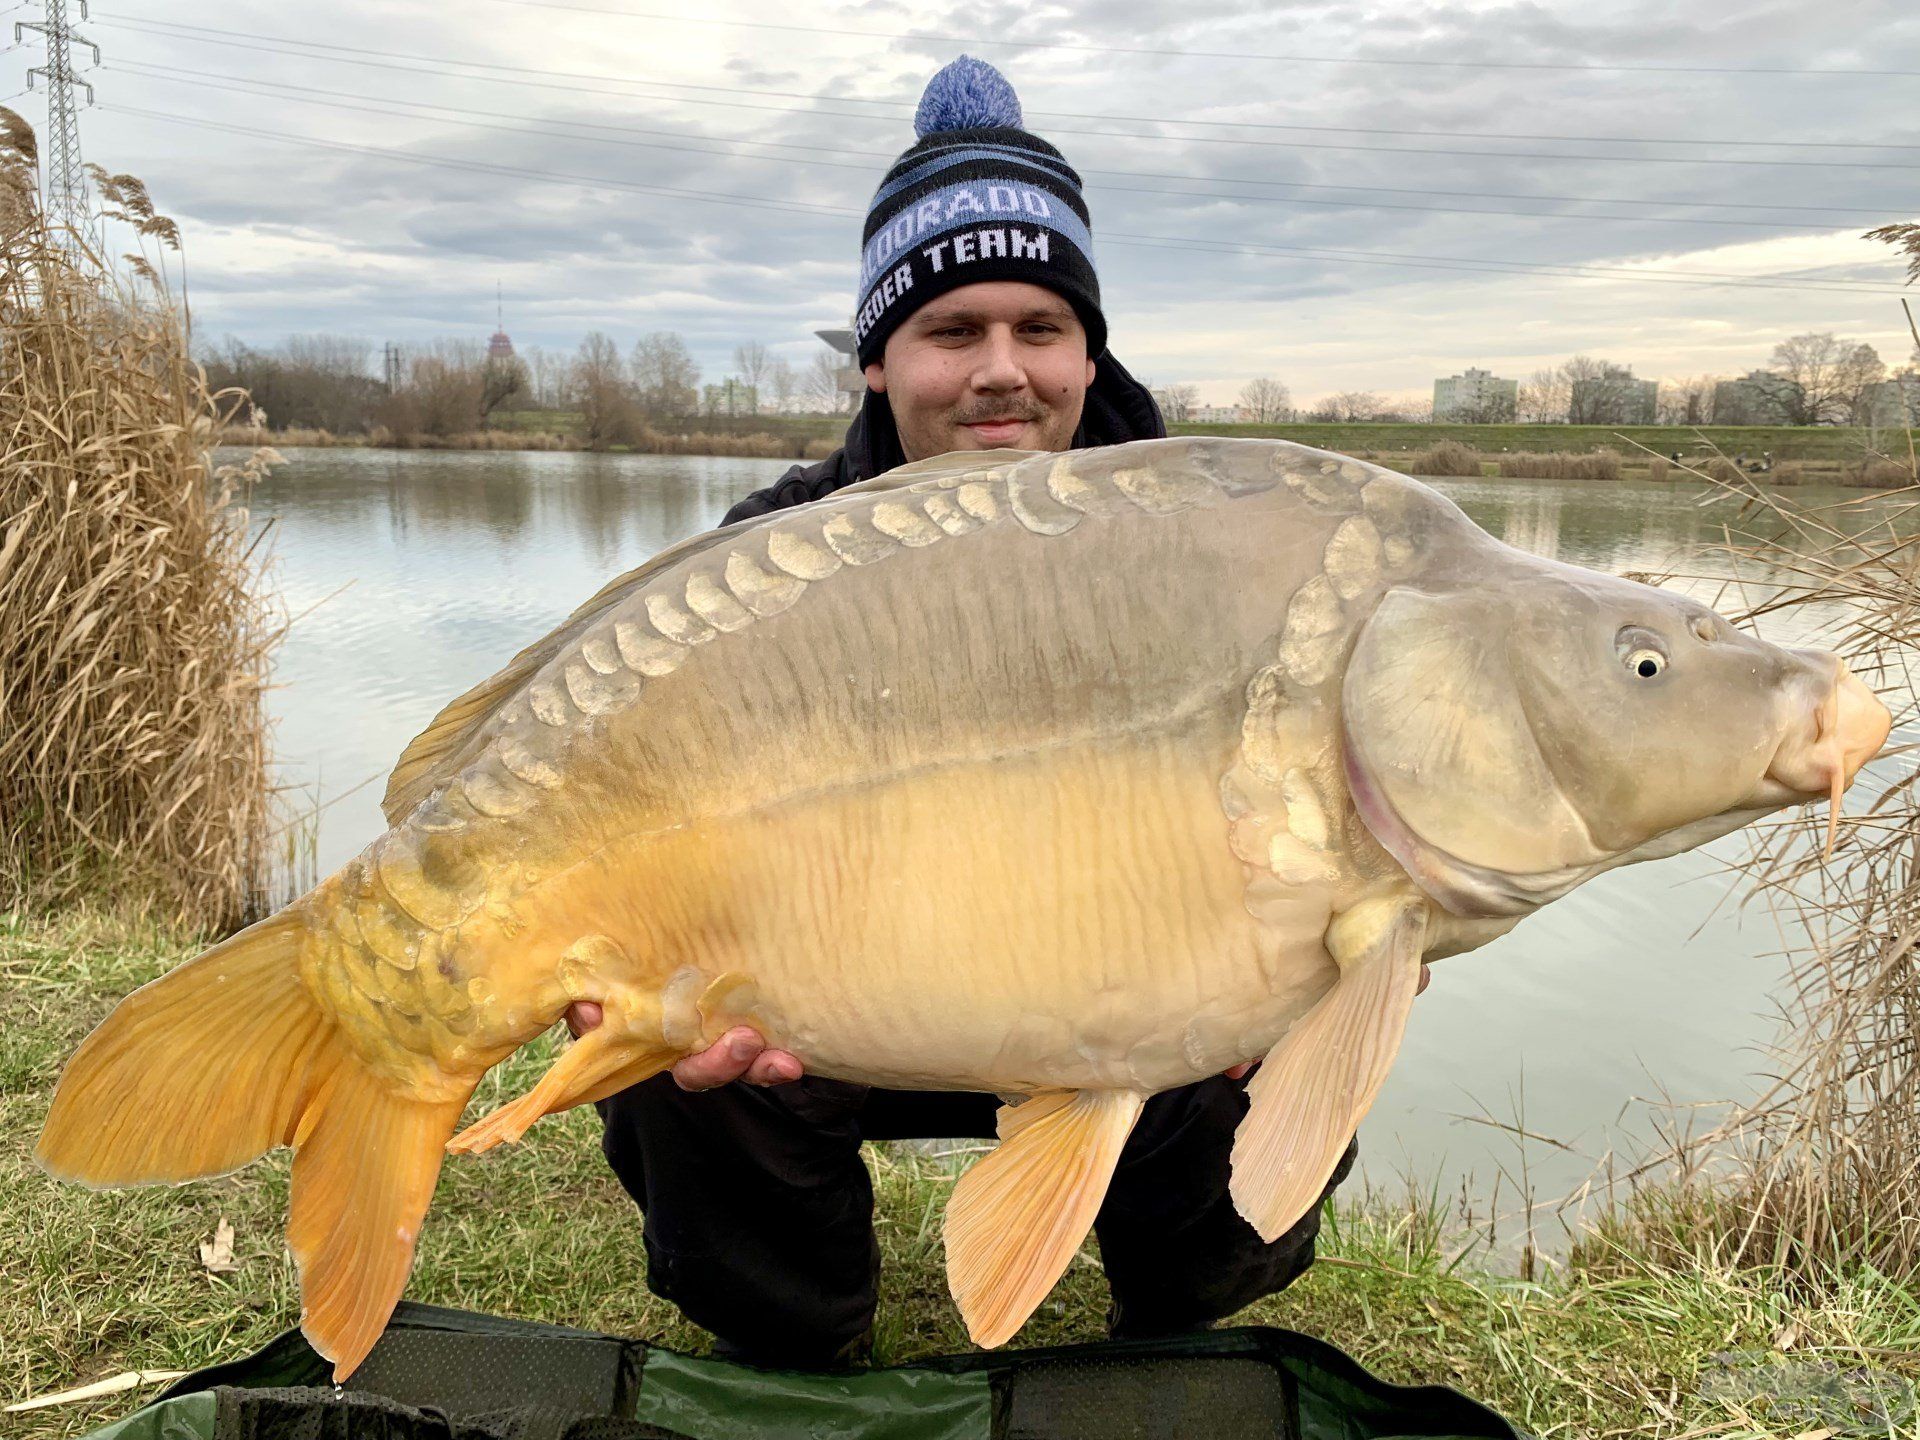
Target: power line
208, 35
1159, 52
1397, 259
282, 90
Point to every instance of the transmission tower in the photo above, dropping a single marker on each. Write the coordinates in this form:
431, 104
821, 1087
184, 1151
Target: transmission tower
65, 197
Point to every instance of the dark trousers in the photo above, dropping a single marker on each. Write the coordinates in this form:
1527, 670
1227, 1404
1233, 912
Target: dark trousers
759, 1211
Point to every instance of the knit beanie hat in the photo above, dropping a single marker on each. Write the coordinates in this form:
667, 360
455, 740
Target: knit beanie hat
977, 198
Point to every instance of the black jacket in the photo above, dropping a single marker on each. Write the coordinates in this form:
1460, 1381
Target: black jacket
1118, 408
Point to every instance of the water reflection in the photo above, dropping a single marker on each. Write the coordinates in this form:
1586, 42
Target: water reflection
425, 572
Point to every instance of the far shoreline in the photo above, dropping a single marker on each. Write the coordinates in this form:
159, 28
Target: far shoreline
1794, 455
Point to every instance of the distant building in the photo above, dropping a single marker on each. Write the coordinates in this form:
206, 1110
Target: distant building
1478, 396
1759, 397
1614, 397
1216, 414
1891, 404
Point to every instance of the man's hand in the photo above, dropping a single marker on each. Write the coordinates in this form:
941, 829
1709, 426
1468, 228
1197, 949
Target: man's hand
740, 1054
1240, 1071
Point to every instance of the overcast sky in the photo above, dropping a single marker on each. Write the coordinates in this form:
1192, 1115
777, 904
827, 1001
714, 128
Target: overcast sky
722, 191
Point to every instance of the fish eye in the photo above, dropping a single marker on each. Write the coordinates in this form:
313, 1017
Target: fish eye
1641, 651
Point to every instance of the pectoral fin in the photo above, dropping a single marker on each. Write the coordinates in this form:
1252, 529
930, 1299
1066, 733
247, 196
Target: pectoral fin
1308, 1097
1017, 1217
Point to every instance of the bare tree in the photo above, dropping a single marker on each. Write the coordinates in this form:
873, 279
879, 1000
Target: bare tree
1176, 402
441, 390
1687, 401
822, 384
546, 377
501, 378
1351, 406
1265, 401
783, 383
666, 379
601, 391
1545, 397
324, 382
1831, 373
751, 363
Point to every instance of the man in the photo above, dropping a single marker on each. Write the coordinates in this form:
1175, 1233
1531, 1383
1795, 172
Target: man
979, 327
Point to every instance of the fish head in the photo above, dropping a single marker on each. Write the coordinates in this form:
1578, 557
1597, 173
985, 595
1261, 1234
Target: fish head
1516, 731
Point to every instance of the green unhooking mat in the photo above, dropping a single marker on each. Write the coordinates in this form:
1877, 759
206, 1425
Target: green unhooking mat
452, 1375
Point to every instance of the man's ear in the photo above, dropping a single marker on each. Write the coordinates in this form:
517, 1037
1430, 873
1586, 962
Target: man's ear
1090, 369
876, 374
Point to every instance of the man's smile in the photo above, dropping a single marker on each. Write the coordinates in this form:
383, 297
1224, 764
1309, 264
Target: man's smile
996, 432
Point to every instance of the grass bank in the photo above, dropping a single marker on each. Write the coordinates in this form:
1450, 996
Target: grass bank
1615, 1343
1527, 452
1838, 444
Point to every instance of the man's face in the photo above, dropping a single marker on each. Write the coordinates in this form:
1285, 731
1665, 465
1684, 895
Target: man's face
1001, 363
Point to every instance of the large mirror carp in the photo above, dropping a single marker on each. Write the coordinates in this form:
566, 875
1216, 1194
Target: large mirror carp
1068, 777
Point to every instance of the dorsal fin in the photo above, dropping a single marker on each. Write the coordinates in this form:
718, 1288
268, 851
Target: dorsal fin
439, 750
444, 746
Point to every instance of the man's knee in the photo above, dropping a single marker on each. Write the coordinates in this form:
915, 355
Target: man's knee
1177, 1252
758, 1212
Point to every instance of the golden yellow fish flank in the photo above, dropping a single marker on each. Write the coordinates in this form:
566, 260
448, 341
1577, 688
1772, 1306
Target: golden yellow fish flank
1073, 777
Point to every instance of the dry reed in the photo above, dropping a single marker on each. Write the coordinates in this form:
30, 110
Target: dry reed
1449, 457
1826, 1172
133, 645
1877, 474
1526, 465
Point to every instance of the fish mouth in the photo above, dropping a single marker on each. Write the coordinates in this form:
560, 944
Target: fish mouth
1820, 757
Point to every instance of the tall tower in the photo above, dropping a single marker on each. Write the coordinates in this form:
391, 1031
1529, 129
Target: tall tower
65, 196
499, 346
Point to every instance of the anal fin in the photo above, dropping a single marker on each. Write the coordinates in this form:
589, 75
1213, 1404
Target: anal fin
1017, 1217
625, 1048
1309, 1095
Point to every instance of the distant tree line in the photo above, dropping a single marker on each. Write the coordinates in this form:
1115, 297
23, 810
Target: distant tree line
1817, 378
445, 387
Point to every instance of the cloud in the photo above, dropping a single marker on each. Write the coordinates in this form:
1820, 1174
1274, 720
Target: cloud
1227, 272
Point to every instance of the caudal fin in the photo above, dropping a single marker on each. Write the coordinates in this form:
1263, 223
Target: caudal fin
227, 1056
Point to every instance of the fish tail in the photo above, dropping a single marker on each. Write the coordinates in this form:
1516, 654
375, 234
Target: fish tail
225, 1057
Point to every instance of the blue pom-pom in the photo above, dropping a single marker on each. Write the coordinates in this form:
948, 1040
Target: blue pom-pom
966, 95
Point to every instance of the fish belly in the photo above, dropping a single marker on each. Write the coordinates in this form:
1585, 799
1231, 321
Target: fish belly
1009, 924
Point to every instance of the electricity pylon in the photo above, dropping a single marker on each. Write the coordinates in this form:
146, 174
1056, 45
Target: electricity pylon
65, 195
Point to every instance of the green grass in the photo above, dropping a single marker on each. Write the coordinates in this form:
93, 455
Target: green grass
1786, 442
92, 1284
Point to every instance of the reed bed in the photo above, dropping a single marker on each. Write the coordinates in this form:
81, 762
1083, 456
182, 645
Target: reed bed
1820, 1178
1529, 465
133, 642
1449, 457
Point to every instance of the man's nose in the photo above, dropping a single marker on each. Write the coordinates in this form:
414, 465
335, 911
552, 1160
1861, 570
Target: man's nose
999, 368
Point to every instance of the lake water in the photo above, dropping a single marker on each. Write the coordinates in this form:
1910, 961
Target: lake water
413, 575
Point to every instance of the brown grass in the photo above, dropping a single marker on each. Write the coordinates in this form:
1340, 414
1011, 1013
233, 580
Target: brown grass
133, 647
1449, 457
1526, 465
1878, 474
